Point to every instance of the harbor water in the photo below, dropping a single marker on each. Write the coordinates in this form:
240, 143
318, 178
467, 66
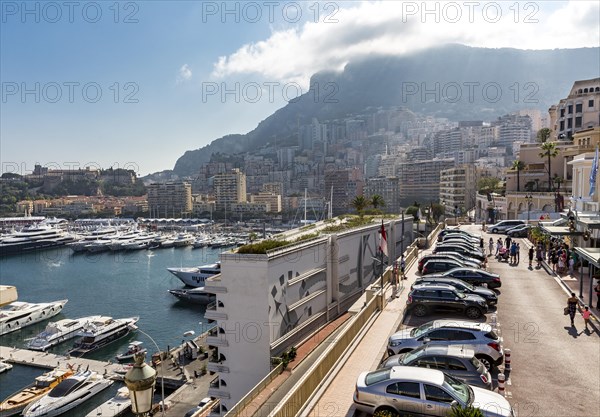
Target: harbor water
116, 284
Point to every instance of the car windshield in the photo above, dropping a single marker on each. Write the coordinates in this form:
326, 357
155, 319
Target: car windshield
477, 364
413, 354
460, 389
377, 376
424, 328
460, 294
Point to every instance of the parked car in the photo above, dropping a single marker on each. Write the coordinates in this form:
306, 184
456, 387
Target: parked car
435, 266
474, 276
424, 299
479, 336
504, 225
449, 231
474, 263
462, 238
458, 361
519, 231
408, 390
488, 295
202, 406
471, 253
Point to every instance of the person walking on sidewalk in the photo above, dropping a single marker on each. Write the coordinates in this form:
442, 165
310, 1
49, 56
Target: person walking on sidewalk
498, 246
586, 317
531, 253
539, 255
572, 302
491, 246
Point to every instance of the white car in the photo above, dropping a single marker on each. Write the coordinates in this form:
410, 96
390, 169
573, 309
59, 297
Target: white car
408, 390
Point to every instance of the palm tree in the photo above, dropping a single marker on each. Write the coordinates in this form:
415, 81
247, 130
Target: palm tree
377, 201
549, 150
359, 203
518, 166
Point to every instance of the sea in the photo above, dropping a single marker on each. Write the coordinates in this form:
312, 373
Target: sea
116, 284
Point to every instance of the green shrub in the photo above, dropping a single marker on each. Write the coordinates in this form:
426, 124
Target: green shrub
306, 237
262, 247
385, 413
469, 411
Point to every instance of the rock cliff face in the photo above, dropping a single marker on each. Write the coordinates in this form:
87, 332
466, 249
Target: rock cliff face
453, 81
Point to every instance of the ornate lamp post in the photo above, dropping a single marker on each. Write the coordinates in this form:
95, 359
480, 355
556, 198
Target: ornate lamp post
528, 199
140, 380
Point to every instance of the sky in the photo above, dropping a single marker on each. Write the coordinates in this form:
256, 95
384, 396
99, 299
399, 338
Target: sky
134, 84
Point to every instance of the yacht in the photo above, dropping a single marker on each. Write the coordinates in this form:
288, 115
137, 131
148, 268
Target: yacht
183, 239
100, 332
15, 403
85, 239
35, 237
195, 276
134, 347
20, 314
5, 367
68, 394
57, 332
193, 295
118, 242
116, 406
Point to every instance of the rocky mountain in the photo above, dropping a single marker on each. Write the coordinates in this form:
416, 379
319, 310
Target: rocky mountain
453, 81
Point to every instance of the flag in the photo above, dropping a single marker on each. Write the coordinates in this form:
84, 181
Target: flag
383, 240
594, 173
419, 215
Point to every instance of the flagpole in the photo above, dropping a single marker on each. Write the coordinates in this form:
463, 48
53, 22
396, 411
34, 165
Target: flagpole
381, 252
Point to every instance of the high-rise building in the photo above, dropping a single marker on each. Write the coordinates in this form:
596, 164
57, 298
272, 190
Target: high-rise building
579, 111
457, 189
229, 188
389, 189
170, 199
420, 180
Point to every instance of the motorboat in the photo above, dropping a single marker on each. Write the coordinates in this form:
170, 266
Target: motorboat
80, 245
5, 367
196, 276
193, 295
98, 245
134, 347
57, 332
116, 406
34, 237
15, 403
100, 332
118, 242
167, 243
183, 239
20, 314
67, 395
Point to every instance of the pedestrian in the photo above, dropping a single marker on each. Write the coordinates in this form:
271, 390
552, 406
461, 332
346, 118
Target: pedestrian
562, 263
539, 255
491, 246
571, 266
481, 243
402, 268
498, 246
508, 240
531, 253
597, 289
553, 259
513, 253
586, 317
572, 306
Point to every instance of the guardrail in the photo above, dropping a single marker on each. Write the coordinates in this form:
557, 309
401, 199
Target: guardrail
248, 398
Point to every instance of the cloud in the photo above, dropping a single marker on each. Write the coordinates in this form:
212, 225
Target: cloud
185, 73
396, 28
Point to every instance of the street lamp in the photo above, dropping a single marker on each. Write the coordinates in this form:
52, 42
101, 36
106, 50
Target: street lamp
528, 199
140, 381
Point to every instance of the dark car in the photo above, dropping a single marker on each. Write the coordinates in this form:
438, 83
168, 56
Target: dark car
519, 231
474, 276
424, 299
490, 296
458, 361
462, 238
435, 266
471, 253
448, 255
461, 258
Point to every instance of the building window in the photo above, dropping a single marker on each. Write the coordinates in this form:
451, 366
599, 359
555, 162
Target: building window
570, 109
578, 122
569, 123
578, 108
562, 112
562, 126
591, 103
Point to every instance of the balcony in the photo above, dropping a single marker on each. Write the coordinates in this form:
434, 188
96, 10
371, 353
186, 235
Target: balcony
218, 393
217, 367
214, 315
217, 341
213, 285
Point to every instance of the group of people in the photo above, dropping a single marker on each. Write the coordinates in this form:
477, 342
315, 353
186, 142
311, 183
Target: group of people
558, 255
513, 249
571, 309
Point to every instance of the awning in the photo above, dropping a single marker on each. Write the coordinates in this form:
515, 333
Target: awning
560, 231
590, 254
589, 223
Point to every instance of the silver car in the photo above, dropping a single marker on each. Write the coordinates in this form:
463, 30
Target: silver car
425, 392
479, 336
458, 361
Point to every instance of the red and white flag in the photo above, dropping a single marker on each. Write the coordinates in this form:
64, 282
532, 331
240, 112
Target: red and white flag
383, 240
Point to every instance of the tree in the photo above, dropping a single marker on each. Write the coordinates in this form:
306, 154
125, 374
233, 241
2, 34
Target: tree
543, 134
377, 201
549, 151
438, 210
359, 203
518, 166
487, 185
558, 181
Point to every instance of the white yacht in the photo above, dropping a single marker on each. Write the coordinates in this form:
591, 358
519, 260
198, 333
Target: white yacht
68, 394
133, 348
57, 332
193, 295
85, 239
118, 242
183, 239
114, 407
196, 276
5, 367
20, 314
35, 237
100, 332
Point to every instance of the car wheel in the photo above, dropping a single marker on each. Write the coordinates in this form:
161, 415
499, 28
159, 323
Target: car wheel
473, 312
486, 361
494, 230
386, 412
420, 310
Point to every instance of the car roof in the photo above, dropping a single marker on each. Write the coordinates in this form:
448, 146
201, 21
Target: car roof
470, 268
414, 373
440, 286
463, 324
458, 351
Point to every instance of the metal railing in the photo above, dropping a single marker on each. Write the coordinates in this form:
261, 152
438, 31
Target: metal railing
248, 398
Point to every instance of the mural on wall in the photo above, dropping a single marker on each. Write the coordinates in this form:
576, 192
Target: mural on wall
284, 295
362, 273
